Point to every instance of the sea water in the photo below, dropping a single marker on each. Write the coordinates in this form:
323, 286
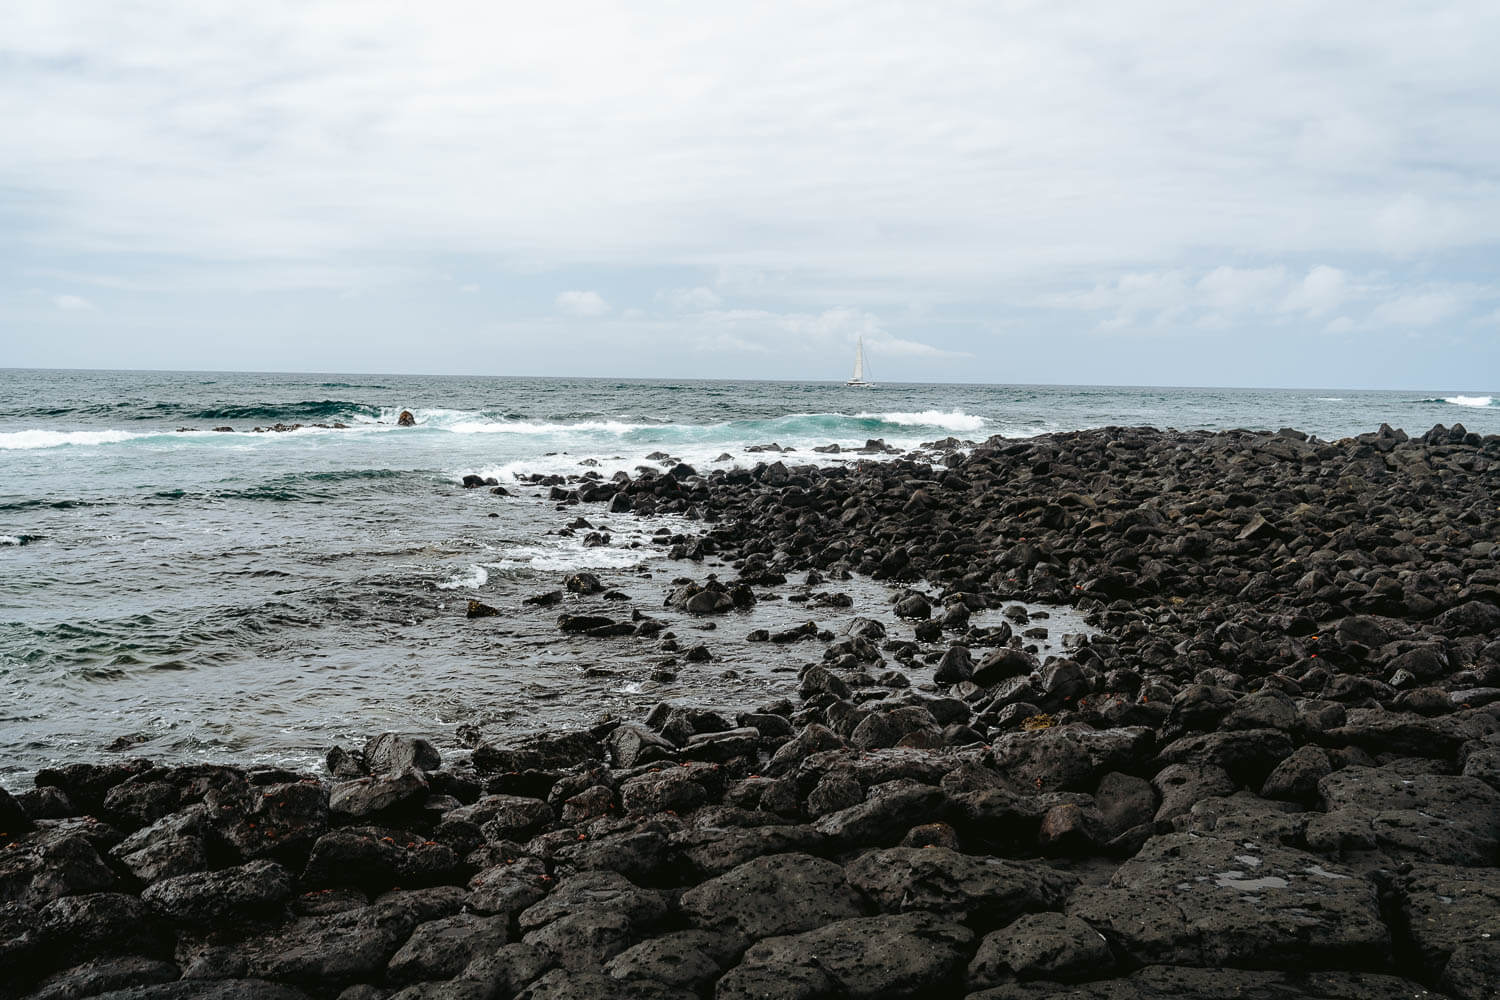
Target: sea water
185, 593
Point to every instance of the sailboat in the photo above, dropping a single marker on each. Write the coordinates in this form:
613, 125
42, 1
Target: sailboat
859, 366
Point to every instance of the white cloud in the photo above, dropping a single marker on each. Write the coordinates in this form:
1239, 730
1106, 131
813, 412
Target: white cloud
1239, 288
468, 289
71, 303
1322, 291
1420, 309
581, 303
690, 299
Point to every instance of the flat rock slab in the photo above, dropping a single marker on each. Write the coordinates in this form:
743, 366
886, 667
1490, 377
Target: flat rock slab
984, 891
1194, 900
1442, 818
1156, 982
889, 957
778, 894
212, 989
1447, 907
1051, 946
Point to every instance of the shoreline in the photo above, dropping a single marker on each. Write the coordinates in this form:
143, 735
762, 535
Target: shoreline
1268, 773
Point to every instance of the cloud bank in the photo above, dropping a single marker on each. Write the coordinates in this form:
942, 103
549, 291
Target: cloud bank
964, 185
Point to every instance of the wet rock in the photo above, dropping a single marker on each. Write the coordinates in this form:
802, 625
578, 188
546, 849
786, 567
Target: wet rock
441, 949
632, 745
479, 609
274, 820
908, 955
222, 989
1070, 758
328, 952
713, 850
50, 863
13, 818
691, 960
981, 891
394, 754
1247, 756
255, 889
1052, 946
1206, 901
104, 975
1448, 908
510, 887
888, 811
1446, 819
100, 923
1296, 778
1124, 802
382, 796
173, 845
1182, 785
407, 420
781, 894
1161, 981
583, 583
590, 918
1003, 664
677, 790
565, 984
376, 858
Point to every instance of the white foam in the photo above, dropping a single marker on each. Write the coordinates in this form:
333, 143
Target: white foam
527, 427
570, 557
953, 420
26, 440
1469, 400
470, 579
9, 540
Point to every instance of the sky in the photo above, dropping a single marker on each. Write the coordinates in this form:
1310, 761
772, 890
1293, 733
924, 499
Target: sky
1162, 193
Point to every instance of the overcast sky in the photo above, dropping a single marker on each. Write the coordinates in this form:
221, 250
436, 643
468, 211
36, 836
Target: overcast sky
1164, 193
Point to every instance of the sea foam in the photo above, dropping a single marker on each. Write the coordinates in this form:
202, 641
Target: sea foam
1469, 400
470, 579
953, 420
32, 439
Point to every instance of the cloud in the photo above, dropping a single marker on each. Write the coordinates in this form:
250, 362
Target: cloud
690, 299
1421, 309
582, 304
1323, 290
1143, 168
1239, 288
71, 303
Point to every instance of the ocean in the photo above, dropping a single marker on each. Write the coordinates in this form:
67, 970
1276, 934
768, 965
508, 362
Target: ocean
175, 591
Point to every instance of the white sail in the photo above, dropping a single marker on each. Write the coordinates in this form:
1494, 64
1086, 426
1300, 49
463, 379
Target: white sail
859, 362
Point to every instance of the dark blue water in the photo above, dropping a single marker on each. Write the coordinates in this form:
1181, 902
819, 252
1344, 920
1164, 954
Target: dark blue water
189, 593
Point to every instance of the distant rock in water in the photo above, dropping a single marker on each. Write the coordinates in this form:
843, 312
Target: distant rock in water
478, 609
406, 419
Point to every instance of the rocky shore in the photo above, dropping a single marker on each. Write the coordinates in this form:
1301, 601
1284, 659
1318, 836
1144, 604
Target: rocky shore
1274, 772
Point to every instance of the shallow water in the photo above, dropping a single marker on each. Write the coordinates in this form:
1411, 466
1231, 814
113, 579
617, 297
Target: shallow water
192, 594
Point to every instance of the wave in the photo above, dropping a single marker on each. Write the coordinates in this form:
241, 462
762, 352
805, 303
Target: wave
307, 410
11, 540
304, 411
954, 420
26, 440
470, 579
1470, 400
527, 427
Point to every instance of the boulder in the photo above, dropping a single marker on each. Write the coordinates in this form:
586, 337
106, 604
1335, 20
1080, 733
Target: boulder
1187, 899
781, 894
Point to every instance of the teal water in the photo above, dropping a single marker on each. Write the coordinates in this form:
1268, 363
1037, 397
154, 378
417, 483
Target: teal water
189, 593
